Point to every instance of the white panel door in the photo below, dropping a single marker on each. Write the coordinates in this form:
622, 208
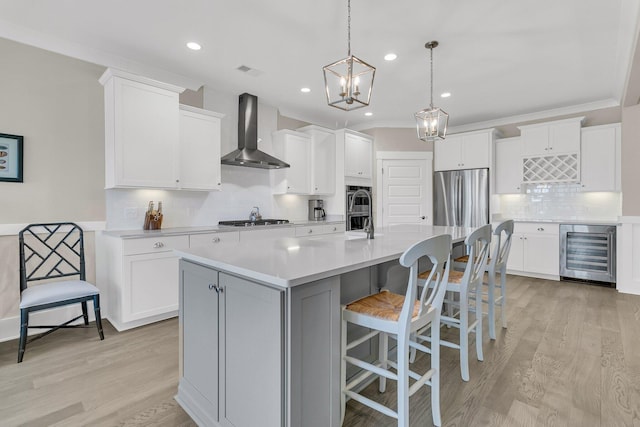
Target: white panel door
407, 192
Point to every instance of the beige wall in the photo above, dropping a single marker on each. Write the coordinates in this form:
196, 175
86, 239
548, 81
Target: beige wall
630, 157
285, 122
56, 103
397, 139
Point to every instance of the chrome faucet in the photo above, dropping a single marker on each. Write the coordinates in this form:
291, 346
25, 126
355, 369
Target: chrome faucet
368, 223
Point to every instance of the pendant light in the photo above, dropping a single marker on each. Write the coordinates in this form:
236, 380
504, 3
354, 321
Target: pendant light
349, 81
431, 123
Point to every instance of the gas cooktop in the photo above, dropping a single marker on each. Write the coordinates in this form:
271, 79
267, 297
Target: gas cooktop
248, 223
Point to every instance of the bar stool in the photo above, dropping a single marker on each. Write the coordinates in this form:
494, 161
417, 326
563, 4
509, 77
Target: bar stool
465, 284
397, 316
497, 263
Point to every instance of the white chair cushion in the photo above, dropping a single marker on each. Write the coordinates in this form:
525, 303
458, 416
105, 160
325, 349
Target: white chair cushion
56, 291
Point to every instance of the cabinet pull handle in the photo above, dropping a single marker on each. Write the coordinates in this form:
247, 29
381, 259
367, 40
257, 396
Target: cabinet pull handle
216, 240
158, 245
540, 229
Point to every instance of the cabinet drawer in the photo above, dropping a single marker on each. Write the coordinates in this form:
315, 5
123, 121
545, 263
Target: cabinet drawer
309, 230
334, 228
213, 239
154, 244
270, 233
536, 227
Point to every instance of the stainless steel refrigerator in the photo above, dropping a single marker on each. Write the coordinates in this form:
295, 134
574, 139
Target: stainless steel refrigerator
461, 198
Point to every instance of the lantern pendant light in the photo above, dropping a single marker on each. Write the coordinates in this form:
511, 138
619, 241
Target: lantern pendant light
431, 123
349, 81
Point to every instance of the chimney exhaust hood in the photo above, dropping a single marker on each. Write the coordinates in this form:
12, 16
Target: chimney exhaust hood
247, 154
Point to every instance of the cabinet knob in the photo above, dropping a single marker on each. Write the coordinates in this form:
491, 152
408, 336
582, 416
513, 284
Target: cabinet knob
177, 180
211, 286
158, 245
216, 240
335, 228
540, 229
310, 231
423, 217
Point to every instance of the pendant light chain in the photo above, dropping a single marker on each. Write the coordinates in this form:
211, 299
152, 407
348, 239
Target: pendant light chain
348, 28
431, 49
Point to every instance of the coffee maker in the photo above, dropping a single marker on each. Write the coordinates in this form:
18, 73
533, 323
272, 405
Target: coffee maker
316, 210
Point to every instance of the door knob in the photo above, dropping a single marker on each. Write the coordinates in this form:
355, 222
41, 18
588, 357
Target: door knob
423, 217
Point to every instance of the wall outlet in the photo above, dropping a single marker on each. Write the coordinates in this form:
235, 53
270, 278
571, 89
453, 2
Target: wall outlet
131, 213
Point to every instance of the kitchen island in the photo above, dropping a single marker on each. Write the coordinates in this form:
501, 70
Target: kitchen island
260, 323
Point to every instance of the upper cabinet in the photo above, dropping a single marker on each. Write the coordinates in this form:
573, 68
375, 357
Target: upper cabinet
551, 138
323, 159
470, 150
358, 155
508, 165
152, 142
141, 131
600, 158
294, 148
199, 149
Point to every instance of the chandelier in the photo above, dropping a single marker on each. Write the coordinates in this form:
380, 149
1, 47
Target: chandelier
349, 81
431, 123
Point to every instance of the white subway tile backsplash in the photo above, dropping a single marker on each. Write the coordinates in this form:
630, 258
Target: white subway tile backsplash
560, 202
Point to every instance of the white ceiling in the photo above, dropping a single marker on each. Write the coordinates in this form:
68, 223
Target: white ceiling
498, 58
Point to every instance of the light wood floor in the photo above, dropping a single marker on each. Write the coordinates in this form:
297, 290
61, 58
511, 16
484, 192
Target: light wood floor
570, 357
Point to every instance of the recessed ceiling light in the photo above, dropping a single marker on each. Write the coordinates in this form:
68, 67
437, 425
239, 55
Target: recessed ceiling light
305, 90
194, 46
368, 113
390, 57
445, 95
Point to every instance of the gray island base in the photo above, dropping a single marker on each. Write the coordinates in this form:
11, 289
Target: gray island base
260, 322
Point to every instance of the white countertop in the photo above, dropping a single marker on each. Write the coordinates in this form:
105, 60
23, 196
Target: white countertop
288, 262
133, 234
564, 221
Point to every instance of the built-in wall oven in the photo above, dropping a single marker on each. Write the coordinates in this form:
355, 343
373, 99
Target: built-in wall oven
588, 252
355, 219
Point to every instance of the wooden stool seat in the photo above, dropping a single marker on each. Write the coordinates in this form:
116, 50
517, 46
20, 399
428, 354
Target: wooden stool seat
454, 276
465, 258
384, 305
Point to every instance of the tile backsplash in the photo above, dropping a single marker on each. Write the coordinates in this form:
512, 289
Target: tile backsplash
559, 202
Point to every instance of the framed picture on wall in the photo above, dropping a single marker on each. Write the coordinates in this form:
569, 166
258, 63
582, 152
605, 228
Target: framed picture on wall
11, 157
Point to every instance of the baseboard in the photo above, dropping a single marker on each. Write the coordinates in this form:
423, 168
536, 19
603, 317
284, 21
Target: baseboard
534, 275
10, 326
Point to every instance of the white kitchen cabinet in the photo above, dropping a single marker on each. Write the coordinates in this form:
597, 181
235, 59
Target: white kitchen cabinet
199, 149
266, 233
142, 279
213, 239
508, 166
535, 250
294, 148
600, 158
141, 131
551, 138
470, 150
323, 159
319, 229
226, 319
358, 155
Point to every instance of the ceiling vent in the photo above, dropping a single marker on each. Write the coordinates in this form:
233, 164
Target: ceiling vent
248, 70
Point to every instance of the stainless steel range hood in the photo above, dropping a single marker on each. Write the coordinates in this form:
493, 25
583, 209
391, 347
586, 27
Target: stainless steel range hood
247, 154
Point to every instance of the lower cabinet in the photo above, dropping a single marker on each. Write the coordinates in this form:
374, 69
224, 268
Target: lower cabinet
314, 230
233, 339
141, 276
535, 250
